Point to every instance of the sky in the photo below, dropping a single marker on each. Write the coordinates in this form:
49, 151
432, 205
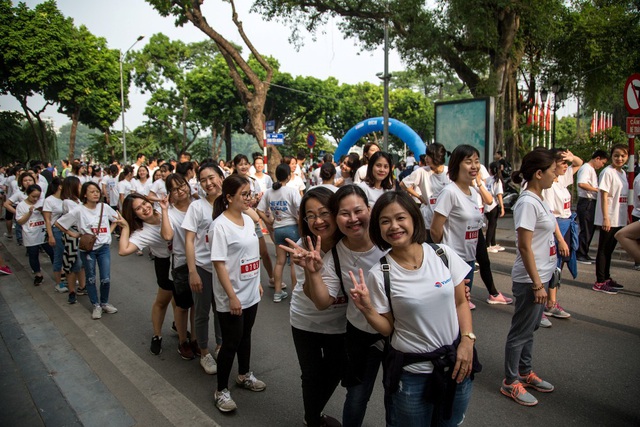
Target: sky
120, 22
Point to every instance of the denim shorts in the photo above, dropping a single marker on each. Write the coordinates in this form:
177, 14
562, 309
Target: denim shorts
286, 232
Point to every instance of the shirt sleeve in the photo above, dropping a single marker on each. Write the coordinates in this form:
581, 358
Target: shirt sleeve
445, 202
263, 205
69, 219
525, 216
190, 222
329, 275
218, 239
606, 181
375, 284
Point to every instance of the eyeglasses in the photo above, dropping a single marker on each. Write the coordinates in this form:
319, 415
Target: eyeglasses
183, 189
313, 218
246, 195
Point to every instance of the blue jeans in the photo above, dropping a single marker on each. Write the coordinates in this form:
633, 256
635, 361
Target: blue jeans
17, 230
472, 264
103, 256
411, 409
34, 255
58, 250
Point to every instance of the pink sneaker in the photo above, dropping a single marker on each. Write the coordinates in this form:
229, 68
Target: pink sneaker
5, 270
499, 299
472, 306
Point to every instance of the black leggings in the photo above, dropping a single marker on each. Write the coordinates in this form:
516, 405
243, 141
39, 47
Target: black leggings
482, 257
492, 224
606, 244
236, 339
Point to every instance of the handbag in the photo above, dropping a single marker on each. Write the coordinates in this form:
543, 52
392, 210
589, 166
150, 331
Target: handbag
87, 240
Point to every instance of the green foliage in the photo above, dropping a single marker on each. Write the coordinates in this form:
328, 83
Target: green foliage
85, 136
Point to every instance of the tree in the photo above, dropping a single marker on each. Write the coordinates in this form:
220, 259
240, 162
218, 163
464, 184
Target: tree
251, 89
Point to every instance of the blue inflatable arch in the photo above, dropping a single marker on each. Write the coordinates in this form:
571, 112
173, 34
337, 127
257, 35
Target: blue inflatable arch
375, 124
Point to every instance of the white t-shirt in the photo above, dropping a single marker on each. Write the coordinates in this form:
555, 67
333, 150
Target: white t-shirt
423, 302
68, 205
373, 194
86, 221
265, 181
159, 188
284, 204
464, 219
179, 254
296, 183
43, 183
111, 185
198, 219
533, 214
141, 188
305, 316
55, 206
494, 187
19, 196
430, 185
149, 236
315, 177
349, 261
34, 230
559, 199
636, 196
587, 175
238, 247
360, 175
329, 186
616, 185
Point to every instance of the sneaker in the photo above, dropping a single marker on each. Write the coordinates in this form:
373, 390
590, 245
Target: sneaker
195, 348
328, 421
223, 401
604, 288
61, 288
556, 311
476, 267
19, 242
109, 309
8, 236
492, 250
185, 351
38, 280
97, 312
584, 260
500, 248
613, 284
544, 322
279, 296
208, 364
534, 381
636, 267
499, 299
72, 298
517, 392
156, 345
250, 382
472, 306
5, 270
81, 291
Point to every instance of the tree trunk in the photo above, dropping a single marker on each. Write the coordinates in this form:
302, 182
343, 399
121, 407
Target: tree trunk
185, 112
34, 127
227, 139
215, 146
72, 135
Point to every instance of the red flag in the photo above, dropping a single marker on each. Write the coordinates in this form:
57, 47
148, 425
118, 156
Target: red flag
541, 118
548, 124
593, 124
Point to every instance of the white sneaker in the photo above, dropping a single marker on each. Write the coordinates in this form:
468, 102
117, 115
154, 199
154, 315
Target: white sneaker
109, 309
97, 312
279, 296
209, 365
492, 249
223, 401
500, 248
61, 288
250, 382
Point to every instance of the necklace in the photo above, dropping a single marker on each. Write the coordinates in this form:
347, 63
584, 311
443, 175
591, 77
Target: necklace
353, 255
410, 265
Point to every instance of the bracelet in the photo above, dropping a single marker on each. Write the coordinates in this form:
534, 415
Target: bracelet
538, 288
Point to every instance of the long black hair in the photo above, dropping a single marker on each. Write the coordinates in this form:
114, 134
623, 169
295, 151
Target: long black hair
230, 186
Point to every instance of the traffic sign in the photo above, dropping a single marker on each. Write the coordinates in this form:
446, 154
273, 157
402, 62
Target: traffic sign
271, 126
311, 140
632, 94
275, 138
633, 125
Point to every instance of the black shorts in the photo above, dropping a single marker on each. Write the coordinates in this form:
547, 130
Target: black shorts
8, 215
162, 266
181, 289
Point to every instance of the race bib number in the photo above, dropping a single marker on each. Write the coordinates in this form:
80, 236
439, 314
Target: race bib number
623, 200
471, 235
481, 209
433, 200
552, 250
102, 230
249, 268
566, 205
35, 224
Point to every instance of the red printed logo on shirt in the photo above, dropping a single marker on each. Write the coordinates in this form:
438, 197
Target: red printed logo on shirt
103, 230
623, 200
552, 250
469, 235
566, 205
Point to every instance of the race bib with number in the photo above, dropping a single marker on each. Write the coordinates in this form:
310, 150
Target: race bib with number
249, 268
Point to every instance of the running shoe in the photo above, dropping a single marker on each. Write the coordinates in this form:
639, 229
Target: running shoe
109, 309
38, 280
279, 296
223, 401
556, 311
604, 288
208, 364
81, 291
492, 250
499, 299
613, 284
500, 248
61, 288
185, 351
250, 382
544, 322
584, 260
517, 392
97, 312
535, 382
5, 270
195, 348
636, 267
72, 298
156, 345
8, 236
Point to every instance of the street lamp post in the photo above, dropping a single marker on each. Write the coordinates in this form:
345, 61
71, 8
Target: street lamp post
385, 77
559, 95
124, 135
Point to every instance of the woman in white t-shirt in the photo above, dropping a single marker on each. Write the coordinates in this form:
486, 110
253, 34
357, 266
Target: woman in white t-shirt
368, 150
198, 253
34, 230
328, 281
457, 219
263, 179
296, 181
327, 176
125, 185
418, 316
140, 228
430, 181
495, 210
379, 177
71, 261
282, 202
51, 211
19, 193
87, 219
110, 187
532, 273
348, 168
172, 217
318, 335
611, 216
237, 288
142, 182
158, 189
242, 165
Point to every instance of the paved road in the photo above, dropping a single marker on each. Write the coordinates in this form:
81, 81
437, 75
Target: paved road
62, 368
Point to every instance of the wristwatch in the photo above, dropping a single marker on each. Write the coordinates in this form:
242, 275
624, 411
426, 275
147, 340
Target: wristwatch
471, 336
